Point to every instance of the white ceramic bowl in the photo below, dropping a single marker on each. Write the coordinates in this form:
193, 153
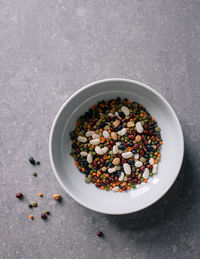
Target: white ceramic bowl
73, 181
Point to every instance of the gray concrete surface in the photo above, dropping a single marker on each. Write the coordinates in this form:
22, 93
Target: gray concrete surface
48, 50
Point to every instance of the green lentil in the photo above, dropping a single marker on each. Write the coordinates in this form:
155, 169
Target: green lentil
157, 129
87, 180
142, 159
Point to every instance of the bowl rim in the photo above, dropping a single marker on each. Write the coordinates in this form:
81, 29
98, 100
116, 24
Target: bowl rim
91, 85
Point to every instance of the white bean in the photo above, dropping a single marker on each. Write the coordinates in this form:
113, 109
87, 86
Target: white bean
89, 158
139, 127
98, 150
110, 114
127, 168
118, 143
106, 134
83, 153
127, 154
136, 156
151, 161
82, 139
115, 189
115, 149
105, 149
95, 141
122, 132
89, 133
155, 168
111, 170
121, 178
145, 175
95, 136
138, 163
125, 110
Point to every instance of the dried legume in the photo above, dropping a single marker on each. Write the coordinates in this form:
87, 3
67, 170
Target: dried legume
19, 195
31, 217
43, 216
34, 204
57, 197
116, 144
34, 174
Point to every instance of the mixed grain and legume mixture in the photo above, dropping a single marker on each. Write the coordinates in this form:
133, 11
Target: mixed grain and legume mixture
116, 144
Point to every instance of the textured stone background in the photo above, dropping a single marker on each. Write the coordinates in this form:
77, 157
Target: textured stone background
48, 50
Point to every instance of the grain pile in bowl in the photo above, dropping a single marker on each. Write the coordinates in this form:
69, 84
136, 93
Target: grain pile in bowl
116, 144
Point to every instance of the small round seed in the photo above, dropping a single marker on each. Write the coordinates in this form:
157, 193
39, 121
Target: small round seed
34, 204
31, 217
19, 195
87, 180
43, 216
34, 174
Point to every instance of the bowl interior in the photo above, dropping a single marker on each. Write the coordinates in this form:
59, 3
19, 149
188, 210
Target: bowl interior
73, 181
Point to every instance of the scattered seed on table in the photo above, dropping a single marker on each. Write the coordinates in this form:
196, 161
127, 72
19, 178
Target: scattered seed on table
30, 205
47, 212
57, 197
40, 194
34, 174
34, 204
43, 216
32, 161
19, 195
31, 217
99, 234
38, 162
